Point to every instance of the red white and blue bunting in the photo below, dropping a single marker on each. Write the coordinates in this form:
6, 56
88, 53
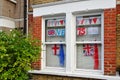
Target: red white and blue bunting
56, 22
88, 21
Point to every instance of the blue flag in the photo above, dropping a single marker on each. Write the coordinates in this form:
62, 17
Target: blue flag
61, 56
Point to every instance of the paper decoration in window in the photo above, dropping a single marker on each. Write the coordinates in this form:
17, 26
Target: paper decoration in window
92, 50
55, 22
88, 21
59, 51
96, 57
93, 30
88, 50
55, 49
81, 31
95, 20
56, 32
61, 55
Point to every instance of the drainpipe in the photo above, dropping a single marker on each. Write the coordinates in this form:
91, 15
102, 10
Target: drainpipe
25, 17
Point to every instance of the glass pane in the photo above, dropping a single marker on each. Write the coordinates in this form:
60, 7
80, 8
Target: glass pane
55, 30
88, 28
88, 56
55, 55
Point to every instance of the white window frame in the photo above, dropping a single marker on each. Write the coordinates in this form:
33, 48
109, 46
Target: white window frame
93, 42
44, 43
70, 42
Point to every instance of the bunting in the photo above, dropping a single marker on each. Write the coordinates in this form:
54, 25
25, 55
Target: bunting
88, 21
55, 22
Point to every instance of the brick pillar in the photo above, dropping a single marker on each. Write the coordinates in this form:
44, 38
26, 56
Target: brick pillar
110, 41
30, 23
36, 32
118, 35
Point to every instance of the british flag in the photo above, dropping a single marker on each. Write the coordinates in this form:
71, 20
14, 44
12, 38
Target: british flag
88, 49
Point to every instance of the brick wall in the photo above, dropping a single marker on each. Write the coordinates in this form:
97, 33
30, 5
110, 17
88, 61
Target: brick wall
35, 26
110, 41
118, 35
8, 9
35, 2
44, 1
30, 23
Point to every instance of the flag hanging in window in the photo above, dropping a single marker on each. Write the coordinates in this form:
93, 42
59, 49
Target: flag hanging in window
61, 55
88, 49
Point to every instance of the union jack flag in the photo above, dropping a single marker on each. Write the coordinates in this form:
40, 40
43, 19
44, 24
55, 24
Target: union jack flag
88, 49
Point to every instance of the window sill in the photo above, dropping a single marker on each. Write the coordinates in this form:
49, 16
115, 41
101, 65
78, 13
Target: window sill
73, 74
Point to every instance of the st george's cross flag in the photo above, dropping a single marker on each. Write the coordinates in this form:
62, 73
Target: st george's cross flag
55, 49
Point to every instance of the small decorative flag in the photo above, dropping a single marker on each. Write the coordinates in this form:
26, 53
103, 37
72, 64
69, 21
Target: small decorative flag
81, 31
90, 20
96, 58
62, 22
55, 49
61, 55
88, 50
95, 20
51, 32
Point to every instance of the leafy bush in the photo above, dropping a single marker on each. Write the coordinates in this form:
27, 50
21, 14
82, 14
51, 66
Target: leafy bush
16, 54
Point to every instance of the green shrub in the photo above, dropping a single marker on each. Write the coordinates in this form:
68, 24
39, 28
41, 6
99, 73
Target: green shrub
16, 54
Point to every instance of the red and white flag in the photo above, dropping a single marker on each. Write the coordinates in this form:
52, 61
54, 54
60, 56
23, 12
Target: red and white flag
96, 57
81, 31
88, 50
55, 49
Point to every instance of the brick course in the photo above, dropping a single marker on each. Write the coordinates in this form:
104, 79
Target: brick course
51, 77
110, 41
35, 28
118, 35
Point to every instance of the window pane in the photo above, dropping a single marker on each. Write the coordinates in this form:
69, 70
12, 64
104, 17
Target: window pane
88, 28
88, 56
55, 30
55, 55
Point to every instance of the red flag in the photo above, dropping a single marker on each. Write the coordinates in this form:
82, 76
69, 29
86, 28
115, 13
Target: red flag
55, 49
96, 57
94, 20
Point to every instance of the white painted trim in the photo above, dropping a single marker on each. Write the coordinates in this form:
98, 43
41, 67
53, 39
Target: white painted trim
7, 22
73, 7
14, 1
82, 75
44, 43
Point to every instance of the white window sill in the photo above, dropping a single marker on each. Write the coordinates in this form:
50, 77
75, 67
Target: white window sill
73, 74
